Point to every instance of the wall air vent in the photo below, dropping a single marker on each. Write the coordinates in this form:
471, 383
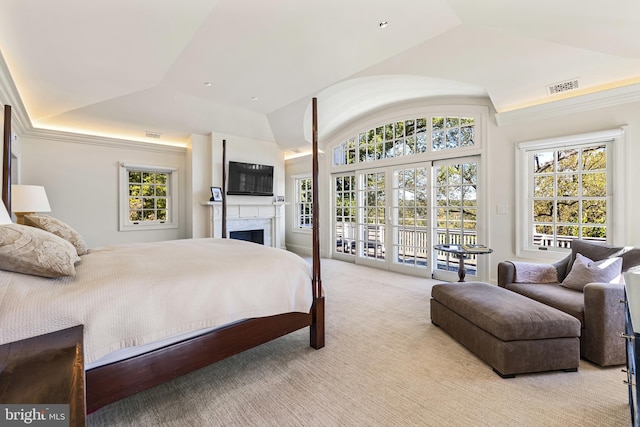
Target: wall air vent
154, 135
567, 86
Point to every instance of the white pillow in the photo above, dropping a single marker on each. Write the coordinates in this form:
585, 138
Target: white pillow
586, 271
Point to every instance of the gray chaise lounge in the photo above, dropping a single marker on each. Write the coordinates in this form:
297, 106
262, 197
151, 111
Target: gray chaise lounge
598, 307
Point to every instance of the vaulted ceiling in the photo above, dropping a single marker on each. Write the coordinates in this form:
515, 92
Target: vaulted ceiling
127, 68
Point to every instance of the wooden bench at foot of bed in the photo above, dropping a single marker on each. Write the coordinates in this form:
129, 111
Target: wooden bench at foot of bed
512, 333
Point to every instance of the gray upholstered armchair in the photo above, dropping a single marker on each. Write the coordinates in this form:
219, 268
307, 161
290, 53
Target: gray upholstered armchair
597, 305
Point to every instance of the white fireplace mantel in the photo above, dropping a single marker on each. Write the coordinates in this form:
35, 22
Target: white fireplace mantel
248, 216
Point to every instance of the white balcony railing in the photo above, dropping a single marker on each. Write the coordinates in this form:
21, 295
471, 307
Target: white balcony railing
415, 245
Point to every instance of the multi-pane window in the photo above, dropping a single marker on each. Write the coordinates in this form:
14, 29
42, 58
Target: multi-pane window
452, 132
304, 203
411, 214
373, 215
569, 195
565, 190
345, 213
147, 197
456, 200
456, 192
406, 138
345, 153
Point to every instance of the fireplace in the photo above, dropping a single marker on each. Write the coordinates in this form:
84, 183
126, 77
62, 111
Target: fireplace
247, 217
255, 236
255, 225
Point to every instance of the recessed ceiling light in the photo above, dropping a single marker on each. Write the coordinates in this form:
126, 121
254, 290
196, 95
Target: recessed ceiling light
383, 24
208, 84
254, 98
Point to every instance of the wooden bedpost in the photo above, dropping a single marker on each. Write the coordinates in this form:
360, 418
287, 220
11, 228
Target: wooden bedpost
6, 159
317, 325
224, 188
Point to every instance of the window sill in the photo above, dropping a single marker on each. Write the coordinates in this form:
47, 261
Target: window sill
551, 254
302, 230
142, 227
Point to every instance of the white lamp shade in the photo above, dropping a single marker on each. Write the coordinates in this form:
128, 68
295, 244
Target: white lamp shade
29, 198
4, 215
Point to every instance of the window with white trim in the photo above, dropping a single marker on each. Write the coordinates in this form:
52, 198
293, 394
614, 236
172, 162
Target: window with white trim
568, 183
148, 197
303, 203
407, 138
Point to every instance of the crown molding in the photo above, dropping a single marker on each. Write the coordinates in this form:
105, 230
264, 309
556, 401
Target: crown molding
78, 138
592, 101
21, 123
9, 95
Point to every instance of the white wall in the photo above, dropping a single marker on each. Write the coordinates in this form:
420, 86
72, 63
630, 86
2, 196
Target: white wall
80, 174
301, 242
297, 241
503, 142
500, 154
199, 178
81, 180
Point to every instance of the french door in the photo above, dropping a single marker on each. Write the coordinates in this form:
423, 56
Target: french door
344, 216
381, 218
372, 219
456, 215
390, 218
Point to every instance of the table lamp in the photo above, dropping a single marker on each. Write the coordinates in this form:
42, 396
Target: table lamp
28, 199
5, 218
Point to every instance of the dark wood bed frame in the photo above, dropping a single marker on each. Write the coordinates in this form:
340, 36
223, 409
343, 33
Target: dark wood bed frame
109, 383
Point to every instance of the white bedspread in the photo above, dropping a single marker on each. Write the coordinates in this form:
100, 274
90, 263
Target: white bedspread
134, 294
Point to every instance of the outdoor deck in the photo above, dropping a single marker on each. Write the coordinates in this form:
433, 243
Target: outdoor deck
413, 246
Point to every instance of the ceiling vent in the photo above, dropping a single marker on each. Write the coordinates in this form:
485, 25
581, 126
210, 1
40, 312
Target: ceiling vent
561, 87
154, 135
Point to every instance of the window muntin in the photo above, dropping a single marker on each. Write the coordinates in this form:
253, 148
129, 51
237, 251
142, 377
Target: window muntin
456, 211
148, 197
452, 132
406, 138
569, 195
411, 216
373, 215
345, 213
593, 167
345, 153
304, 203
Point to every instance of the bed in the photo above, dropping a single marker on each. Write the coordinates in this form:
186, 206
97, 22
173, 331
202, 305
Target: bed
132, 346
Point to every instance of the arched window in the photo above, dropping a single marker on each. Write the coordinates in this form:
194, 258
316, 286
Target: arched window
407, 138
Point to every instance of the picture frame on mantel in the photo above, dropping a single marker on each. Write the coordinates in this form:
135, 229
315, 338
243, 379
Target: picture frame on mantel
216, 194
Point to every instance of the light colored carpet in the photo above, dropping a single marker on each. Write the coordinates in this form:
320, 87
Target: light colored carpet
384, 364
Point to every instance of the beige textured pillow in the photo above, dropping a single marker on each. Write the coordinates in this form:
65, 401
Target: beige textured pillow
527, 272
586, 271
33, 251
57, 227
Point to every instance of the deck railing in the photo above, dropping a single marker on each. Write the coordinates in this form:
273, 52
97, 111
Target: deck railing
416, 243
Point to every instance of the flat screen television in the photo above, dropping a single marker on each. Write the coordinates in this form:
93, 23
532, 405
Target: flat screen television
250, 179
